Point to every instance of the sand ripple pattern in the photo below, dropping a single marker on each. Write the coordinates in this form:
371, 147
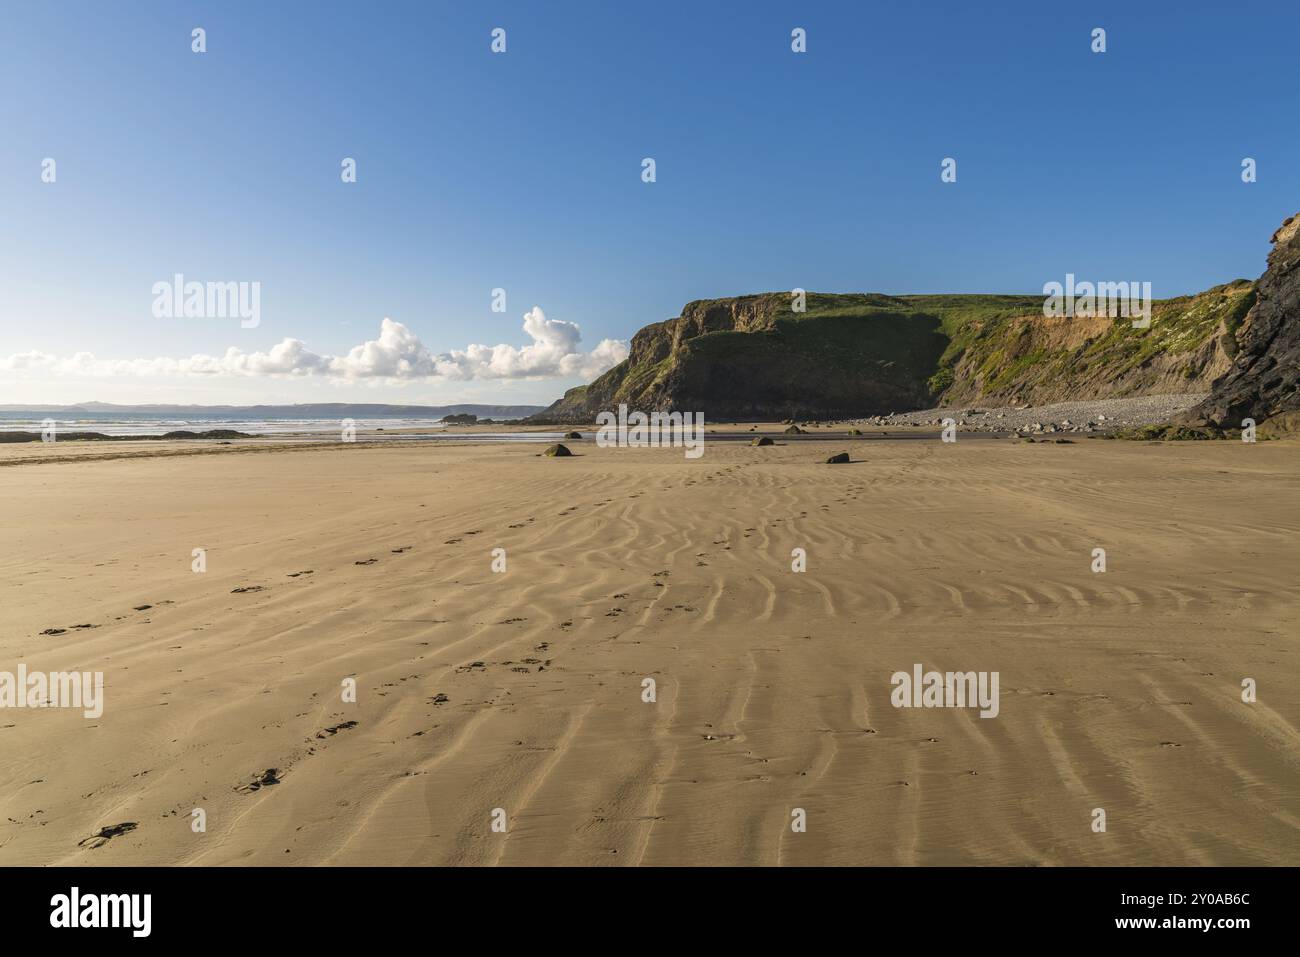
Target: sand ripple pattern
523, 691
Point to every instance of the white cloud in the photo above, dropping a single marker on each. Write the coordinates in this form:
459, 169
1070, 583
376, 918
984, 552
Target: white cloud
397, 355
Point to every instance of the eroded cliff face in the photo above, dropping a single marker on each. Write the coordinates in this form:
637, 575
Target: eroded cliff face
752, 357
849, 355
1036, 360
1263, 381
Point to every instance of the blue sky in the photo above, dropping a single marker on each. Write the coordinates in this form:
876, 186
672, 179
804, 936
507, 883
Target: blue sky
522, 171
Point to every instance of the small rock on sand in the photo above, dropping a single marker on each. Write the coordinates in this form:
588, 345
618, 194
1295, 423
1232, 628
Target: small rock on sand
839, 459
557, 451
762, 440
106, 834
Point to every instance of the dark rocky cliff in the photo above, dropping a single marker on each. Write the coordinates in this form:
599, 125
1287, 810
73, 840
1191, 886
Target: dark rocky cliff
1264, 379
752, 357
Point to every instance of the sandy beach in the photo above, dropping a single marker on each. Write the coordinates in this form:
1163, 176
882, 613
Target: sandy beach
523, 690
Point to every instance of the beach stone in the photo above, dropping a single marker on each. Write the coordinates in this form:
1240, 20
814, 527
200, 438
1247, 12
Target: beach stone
557, 451
573, 435
1286, 425
762, 440
794, 430
840, 459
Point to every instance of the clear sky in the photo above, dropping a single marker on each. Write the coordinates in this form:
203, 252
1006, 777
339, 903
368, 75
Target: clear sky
523, 170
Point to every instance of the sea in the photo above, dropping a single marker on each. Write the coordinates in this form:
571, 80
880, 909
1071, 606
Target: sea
128, 424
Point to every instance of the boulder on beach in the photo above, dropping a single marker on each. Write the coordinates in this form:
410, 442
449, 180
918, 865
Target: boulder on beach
840, 459
1286, 425
573, 435
794, 430
762, 440
557, 451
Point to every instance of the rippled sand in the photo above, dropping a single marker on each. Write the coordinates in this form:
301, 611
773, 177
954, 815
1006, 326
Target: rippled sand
1119, 690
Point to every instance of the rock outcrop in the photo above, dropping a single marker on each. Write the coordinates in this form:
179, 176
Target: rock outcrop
1264, 379
755, 358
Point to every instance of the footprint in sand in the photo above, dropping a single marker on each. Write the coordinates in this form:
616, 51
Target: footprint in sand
296, 574
368, 561
246, 588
